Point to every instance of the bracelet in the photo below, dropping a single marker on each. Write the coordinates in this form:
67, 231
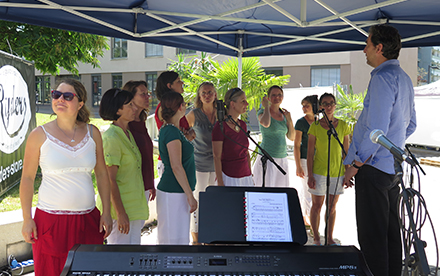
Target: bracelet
353, 164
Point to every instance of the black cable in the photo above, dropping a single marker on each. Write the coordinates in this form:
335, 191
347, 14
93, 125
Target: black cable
421, 216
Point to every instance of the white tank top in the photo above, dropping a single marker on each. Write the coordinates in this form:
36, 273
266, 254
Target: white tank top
67, 175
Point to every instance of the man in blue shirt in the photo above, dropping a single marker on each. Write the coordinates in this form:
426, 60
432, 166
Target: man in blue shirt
389, 106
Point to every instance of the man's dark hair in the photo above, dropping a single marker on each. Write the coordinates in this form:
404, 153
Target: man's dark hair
389, 37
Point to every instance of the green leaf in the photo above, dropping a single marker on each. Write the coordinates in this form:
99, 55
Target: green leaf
50, 49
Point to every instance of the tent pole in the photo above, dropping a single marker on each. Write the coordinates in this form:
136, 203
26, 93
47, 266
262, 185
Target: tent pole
240, 64
240, 68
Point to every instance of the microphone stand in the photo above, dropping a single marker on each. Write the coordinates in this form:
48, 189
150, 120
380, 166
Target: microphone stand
330, 132
266, 156
418, 259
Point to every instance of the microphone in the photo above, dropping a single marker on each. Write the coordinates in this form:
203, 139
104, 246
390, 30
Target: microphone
377, 136
315, 107
220, 113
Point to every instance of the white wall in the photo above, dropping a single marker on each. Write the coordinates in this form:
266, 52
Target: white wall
428, 127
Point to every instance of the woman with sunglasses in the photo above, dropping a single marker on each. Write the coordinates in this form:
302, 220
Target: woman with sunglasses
141, 99
129, 208
275, 125
166, 82
202, 120
67, 149
175, 200
230, 144
317, 161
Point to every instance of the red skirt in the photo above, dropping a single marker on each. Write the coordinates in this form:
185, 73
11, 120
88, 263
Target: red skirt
57, 234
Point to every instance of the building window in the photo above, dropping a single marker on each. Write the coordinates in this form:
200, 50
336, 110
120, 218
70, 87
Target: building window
151, 78
119, 48
180, 51
274, 71
325, 75
96, 90
153, 50
117, 80
42, 89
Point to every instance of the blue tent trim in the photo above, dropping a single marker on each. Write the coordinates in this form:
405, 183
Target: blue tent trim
254, 28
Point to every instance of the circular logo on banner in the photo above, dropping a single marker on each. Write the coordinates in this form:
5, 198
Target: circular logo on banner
15, 109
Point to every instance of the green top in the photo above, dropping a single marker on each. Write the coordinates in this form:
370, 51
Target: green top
321, 149
168, 183
303, 126
274, 137
122, 152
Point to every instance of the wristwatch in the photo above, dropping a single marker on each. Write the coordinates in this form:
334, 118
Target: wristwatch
353, 164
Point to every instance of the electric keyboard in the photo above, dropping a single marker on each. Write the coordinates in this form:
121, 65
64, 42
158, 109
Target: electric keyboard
221, 260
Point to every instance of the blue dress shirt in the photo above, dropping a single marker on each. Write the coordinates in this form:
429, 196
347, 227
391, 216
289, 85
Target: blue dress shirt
389, 106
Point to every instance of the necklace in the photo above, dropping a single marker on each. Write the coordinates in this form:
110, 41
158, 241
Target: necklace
74, 131
234, 126
171, 124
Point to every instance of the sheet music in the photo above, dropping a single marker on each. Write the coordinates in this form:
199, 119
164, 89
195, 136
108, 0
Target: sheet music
267, 217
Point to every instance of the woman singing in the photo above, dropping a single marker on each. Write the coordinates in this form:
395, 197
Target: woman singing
202, 120
275, 125
230, 144
317, 160
124, 166
175, 200
67, 149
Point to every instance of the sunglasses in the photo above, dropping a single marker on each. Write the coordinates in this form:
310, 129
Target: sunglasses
234, 91
68, 96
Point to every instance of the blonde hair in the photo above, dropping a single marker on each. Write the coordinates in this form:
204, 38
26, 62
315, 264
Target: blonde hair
232, 95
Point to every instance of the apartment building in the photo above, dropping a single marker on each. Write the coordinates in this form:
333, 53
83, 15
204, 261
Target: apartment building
131, 60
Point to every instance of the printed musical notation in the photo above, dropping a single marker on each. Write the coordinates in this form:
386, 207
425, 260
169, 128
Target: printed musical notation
267, 217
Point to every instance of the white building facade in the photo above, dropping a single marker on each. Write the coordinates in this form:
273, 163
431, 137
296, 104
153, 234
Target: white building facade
131, 60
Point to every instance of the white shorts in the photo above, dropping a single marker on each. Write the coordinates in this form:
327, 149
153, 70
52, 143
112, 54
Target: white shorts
304, 195
133, 236
321, 185
238, 182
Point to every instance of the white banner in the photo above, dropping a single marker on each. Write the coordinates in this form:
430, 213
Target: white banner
15, 109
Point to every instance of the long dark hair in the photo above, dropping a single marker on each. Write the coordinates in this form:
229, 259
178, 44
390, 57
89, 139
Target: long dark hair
162, 83
131, 86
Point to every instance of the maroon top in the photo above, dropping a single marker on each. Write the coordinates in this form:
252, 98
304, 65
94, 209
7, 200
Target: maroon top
145, 145
234, 157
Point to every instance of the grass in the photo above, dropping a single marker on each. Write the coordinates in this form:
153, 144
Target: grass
10, 201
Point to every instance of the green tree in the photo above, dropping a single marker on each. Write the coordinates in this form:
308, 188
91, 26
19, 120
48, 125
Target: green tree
224, 76
50, 48
349, 105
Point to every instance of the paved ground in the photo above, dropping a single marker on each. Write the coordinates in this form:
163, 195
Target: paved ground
345, 228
